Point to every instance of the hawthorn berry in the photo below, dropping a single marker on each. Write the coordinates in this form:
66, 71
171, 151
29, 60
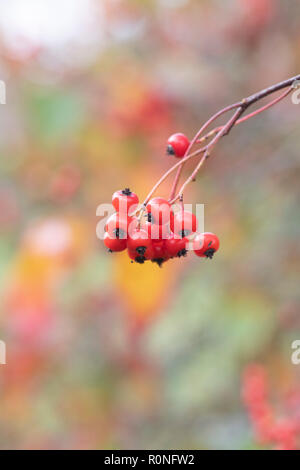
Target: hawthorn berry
134, 256
139, 242
157, 232
178, 145
158, 211
176, 246
117, 225
206, 244
114, 244
183, 223
159, 253
122, 200
141, 253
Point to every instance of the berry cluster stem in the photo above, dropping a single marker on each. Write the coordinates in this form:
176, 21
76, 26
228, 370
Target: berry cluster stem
216, 134
195, 140
248, 116
223, 131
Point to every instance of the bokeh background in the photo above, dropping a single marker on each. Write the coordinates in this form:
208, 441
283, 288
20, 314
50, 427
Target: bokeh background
109, 355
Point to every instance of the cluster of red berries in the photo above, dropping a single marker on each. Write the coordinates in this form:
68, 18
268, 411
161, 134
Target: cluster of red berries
282, 434
157, 234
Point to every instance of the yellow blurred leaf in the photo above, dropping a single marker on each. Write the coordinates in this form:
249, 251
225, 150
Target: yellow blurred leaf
144, 288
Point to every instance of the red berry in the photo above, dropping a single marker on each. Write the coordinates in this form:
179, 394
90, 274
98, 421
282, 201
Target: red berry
159, 254
178, 145
114, 244
184, 223
134, 256
157, 232
141, 254
158, 249
124, 199
139, 242
206, 244
117, 225
175, 246
159, 211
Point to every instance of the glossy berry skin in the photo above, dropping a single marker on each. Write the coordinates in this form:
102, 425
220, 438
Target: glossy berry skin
206, 244
157, 232
141, 253
183, 223
117, 225
114, 244
159, 255
134, 256
122, 200
158, 211
178, 145
139, 242
176, 246
158, 249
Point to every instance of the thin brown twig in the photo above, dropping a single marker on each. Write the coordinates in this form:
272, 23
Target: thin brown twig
225, 130
173, 168
248, 116
220, 132
194, 141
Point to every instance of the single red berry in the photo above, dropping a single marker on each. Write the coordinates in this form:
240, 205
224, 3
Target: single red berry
176, 246
206, 244
141, 253
157, 232
184, 223
134, 256
158, 211
124, 199
117, 225
158, 249
178, 145
159, 254
114, 244
139, 242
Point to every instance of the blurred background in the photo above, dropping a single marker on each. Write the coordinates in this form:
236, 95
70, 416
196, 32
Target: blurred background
103, 354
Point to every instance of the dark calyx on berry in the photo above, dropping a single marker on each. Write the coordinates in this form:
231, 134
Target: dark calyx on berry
119, 233
181, 253
140, 259
184, 233
158, 261
141, 250
210, 253
149, 217
170, 150
126, 192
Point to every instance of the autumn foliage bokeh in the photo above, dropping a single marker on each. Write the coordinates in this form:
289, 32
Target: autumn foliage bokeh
102, 353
